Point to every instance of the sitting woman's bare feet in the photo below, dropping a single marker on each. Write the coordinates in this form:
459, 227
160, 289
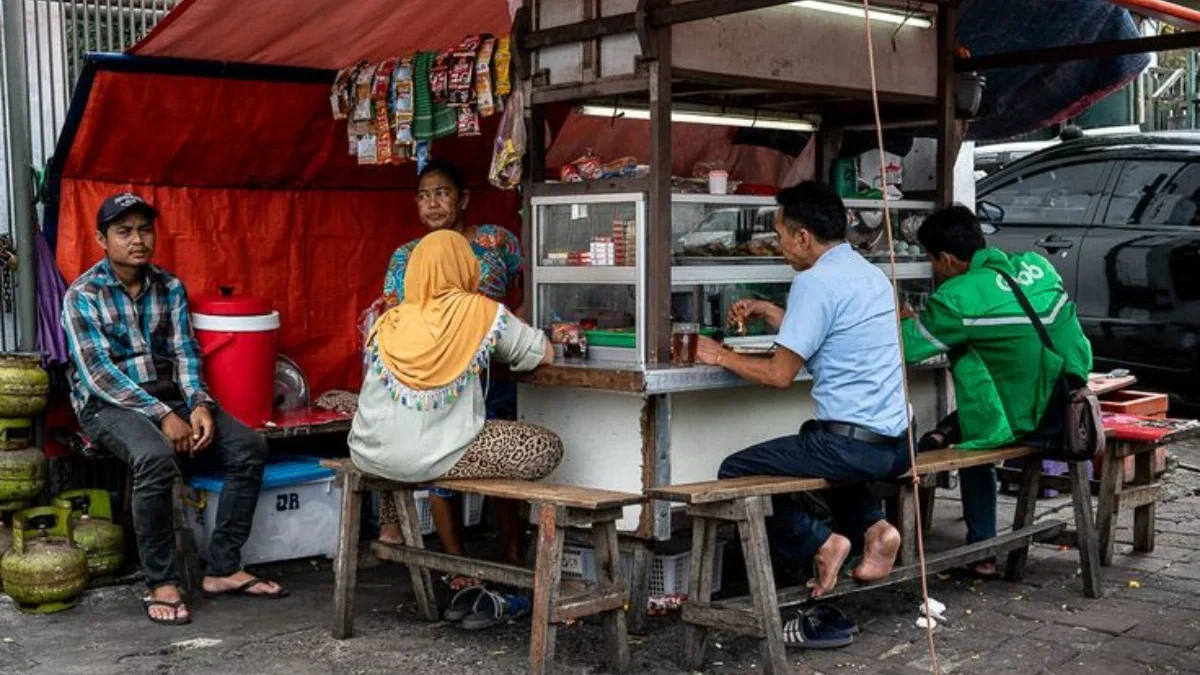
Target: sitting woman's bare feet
828, 561
881, 544
165, 605
390, 534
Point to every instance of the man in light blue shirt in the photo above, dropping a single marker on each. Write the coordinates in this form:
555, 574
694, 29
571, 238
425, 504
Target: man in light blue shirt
840, 323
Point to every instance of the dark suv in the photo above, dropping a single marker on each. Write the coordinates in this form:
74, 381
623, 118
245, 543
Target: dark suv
1119, 216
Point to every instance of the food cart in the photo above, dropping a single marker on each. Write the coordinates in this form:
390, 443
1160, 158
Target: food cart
630, 418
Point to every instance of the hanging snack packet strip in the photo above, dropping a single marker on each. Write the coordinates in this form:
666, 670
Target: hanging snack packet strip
462, 73
381, 92
484, 101
503, 66
439, 76
402, 108
468, 122
339, 94
361, 123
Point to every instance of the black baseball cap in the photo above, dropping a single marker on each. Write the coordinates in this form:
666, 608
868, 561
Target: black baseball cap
120, 204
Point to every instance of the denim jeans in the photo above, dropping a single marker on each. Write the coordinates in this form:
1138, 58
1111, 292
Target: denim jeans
236, 451
798, 529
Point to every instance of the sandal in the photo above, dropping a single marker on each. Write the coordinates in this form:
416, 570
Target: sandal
175, 620
463, 604
832, 617
493, 608
805, 632
244, 590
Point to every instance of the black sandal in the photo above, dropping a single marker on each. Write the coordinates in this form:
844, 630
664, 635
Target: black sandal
175, 606
244, 590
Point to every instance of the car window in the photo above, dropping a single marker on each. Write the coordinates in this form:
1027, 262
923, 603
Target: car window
1061, 195
1155, 193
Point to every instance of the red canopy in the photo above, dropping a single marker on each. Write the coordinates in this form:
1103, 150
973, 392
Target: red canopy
228, 132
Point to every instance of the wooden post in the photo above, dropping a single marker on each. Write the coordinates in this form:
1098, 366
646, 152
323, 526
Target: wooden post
761, 577
1025, 515
345, 566
639, 589
410, 531
547, 575
185, 543
704, 550
1085, 526
1143, 516
906, 513
658, 222
608, 572
947, 149
535, 173
1112, 479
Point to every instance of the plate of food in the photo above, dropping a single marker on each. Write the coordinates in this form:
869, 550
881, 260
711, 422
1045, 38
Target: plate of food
752, 349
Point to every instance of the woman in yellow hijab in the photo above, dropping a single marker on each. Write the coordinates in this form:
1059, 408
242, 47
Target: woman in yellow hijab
421, 409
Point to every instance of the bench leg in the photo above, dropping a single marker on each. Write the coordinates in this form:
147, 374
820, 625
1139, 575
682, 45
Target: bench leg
1085, 526
608, 571
928, 504
547, 575
410, 532
345, 566
1112, 479
1025, 515
185, 543
639, 589
761, 578
704, 550
1144, 516
907, 515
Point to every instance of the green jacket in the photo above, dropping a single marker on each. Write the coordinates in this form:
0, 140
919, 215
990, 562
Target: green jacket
1003, 376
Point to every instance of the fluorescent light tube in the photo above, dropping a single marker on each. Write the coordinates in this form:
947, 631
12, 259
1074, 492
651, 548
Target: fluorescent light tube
702, 118
881, 15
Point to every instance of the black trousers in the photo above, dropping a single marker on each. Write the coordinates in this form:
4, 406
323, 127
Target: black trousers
236, 451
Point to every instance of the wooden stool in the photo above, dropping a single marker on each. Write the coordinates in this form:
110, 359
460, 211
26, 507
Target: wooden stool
746, 502
556, 508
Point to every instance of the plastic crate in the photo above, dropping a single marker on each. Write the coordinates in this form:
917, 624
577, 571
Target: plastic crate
472, 511
668, 573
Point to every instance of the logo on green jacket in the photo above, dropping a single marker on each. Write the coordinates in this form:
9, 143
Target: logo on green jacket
1027, 275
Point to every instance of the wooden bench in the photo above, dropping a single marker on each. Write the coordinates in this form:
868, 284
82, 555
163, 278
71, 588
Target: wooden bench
1138, 439
747, 503
556, 508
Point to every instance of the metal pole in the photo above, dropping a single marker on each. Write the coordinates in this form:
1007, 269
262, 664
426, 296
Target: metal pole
19, 158
1190, 88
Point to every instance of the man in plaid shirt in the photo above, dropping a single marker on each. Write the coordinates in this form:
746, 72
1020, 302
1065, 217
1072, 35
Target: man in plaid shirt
137, 390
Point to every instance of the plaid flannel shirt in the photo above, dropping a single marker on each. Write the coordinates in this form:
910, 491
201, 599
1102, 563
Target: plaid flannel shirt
114, 338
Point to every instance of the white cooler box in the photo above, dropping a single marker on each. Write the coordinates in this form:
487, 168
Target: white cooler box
296, 517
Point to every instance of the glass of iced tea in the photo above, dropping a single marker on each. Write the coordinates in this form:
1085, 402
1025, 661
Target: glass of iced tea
683, 343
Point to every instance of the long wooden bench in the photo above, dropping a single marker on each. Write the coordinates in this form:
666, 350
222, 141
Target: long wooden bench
747, 503
556, 508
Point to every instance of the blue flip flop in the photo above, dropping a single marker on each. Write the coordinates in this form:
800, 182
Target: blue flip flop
804, 632
493, 608
463, 603
832, 617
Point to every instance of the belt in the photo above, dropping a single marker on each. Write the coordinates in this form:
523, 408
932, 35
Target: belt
855, 432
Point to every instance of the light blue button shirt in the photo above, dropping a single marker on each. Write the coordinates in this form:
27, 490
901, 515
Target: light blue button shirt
841, 319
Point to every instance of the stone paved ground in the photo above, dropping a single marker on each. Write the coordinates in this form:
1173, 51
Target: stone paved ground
1149, 622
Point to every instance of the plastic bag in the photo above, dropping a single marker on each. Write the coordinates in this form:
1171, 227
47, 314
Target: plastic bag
508, 151
366, 320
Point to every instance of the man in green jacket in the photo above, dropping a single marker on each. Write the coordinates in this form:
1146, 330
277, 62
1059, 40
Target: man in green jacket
1003, 375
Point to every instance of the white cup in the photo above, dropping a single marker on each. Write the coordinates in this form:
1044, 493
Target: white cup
717, 182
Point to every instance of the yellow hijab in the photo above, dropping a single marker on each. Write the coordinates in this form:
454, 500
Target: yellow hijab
442, 334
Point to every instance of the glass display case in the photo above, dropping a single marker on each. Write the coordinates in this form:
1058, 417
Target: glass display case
588, 266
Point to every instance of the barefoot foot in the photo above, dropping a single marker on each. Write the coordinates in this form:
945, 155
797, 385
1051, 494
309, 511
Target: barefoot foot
828, 561
882, 543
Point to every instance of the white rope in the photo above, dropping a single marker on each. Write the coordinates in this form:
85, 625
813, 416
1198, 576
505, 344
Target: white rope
887, 219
